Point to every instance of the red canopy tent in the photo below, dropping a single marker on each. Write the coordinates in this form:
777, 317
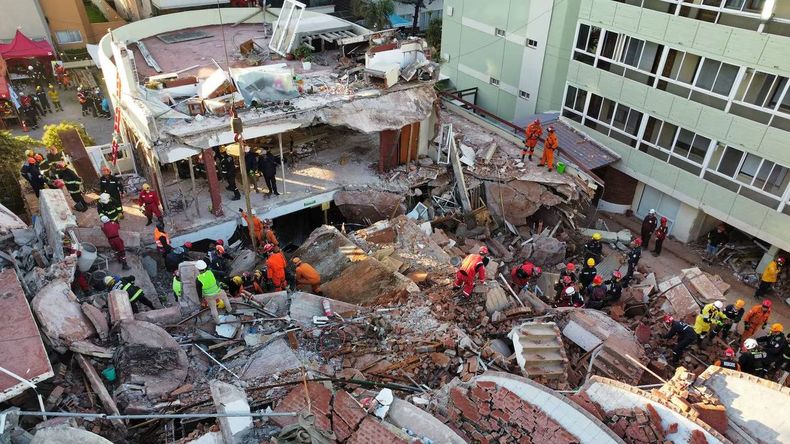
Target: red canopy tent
22, 47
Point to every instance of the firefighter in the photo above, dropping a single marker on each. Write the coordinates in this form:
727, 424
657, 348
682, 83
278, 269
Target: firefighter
41, 97
684, 332
649, 224
587, 274
227, 168
710, 314
532, 133
661, 234
549, 146
208, 288
524, 274
570, 272
753, 361
135, 293
106, 207
73, 184
268, 233
596, 294
275, 267
112, 230
774, 344
769, 277
755, 319
306, 275
614, 287
178, 287
162, 239
473, 265
734, 313
563, 299
632, 258
728, 361
149, 200
52, 159
32, 173
593, 248
54, 97
111, 184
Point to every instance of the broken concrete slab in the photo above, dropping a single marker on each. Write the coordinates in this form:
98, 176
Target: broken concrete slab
701, 286
366, 207
99, 320
405, 415
679, 302
306, 305
611, 237
329, 252
244, 261
60, 315
23, 351
96, 237
588, 328
412, 239
365, 281
67, 435
229, 399
57, 217
518, 204
119, 306
90, 349
496, 299
547, 251
189, 297
275, 303
273, 358
149, 356
162, 316
539, 350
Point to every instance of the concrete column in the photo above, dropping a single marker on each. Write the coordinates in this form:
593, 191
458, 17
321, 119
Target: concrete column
388, 150
767, 257
57, 217
189, 296
213, 181
229, 399
119, 306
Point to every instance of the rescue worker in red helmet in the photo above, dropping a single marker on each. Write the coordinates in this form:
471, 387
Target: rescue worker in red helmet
532, 133
614, 287
570, 272
756, 318
473, 265
728, 361
632, 258
524, 274
685, 333
596, 294
661, 234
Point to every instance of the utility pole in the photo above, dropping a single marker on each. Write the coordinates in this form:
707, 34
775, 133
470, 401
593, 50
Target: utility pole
237, 127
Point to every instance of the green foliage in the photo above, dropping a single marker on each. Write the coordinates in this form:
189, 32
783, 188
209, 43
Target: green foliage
51, 134
12, 154
375, 13
433, 35
303, 52
94, 13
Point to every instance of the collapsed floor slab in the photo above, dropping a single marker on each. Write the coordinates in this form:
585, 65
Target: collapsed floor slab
329, 252
60, 315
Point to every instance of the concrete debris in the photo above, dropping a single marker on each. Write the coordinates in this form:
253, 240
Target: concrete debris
329, 252
276, 357
67, 435
57, 217
98, 319
539, 351
60, 316
547, 250
244, 261
366, 281
119, 306
229, 399
366, 207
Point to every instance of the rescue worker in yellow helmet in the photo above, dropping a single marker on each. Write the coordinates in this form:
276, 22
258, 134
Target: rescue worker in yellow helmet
734, 313
774, 344
594, 248
711, 314
588, 273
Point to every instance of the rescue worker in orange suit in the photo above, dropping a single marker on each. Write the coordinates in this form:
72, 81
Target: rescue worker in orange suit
149, 200
473, 264
162, 239
728, 361
769, 277
756, 319
268, 233
257, 225
523, 274
275, 267
532, 133
661, 234
306, 275
112, 230
549, 146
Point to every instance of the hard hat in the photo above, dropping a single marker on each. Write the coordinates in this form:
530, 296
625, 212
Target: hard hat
146, 187
483, 250
740, 303
104, 198
570, 290
296, 261
253, 211
59, 183
536, 121
590, 262
780, 260
31, 160
201, 265
718, 304
767, 303
61, 165
596, 236
617, 275
777, 328
39, 157
550, 129
570, 266
187, 245
537, 271
638, 241
730, 353
597, 280
567, 279
220, 249
236, 280
179, 250
668, 319
219, 242
51, 86
750, 344
105, 169
38, 87
29, 153
663, 220
652, 211
109, 281
223, 149
268, 248
104, 219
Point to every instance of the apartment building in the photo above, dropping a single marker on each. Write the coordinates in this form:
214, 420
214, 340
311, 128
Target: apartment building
514, 52
694, 97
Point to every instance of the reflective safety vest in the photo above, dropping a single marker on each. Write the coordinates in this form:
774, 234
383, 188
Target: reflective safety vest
135, 293
157, 235
732, 365
177, 289
469, 265
209, 283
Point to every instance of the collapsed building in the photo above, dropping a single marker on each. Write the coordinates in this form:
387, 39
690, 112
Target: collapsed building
388, 352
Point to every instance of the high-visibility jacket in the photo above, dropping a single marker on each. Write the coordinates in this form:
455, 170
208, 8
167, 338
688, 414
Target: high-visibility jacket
158, 238
472, 264
53, 95
306, 274
177, 287
532, 134
71, 179
109, 209
132, 290
268, 233
756, 316
709, 315
771, 272
275, 269
551, 142
208, 284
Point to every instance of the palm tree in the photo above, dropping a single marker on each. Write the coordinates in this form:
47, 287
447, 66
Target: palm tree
375, 13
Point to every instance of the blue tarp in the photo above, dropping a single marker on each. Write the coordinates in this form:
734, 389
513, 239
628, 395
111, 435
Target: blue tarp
399, 22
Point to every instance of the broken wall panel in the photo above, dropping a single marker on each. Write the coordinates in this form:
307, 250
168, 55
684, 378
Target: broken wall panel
329, 252
22, 352
61, 316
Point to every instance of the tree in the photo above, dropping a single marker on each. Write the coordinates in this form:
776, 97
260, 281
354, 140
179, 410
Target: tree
12, 154
418, 4
433, 35
51, 136
375, 13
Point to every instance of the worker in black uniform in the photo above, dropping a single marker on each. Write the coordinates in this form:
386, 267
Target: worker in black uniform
593, 248
126, 283
227, 168
32, 173
753, 361
111, 184
685, 333
73, 184
774, 344
633, 259
561, 285
614, 288
734, 313
174, 257
105, 206
587, 274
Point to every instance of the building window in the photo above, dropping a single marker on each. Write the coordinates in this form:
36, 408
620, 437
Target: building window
748, 174
523, 94
619, 54
532, 43
499, 32
66, 37
493, 81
